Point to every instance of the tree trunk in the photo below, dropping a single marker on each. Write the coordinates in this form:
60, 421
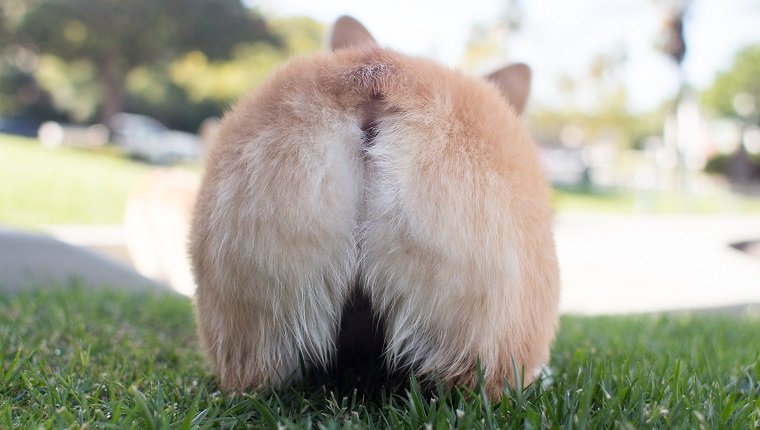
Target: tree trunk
112, 81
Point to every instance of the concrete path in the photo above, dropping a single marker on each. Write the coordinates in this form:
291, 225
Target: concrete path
29, 259
615, 264
610, 264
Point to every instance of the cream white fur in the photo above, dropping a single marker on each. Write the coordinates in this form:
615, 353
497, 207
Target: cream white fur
431, 268
285, 259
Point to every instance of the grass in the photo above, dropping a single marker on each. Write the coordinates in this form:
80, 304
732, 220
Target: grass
64, 185
626, 202
74, 358
78, 186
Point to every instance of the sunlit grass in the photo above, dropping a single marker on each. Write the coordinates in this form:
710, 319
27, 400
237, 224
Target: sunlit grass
71, 357
64, 185
78, 186
652, 202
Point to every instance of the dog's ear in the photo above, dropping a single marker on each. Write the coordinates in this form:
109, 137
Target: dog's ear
348, 32
514, 83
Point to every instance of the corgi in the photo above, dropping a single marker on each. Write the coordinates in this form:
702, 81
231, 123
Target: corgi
367, 170
157, 224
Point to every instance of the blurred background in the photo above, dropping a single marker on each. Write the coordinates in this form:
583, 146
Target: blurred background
646, 113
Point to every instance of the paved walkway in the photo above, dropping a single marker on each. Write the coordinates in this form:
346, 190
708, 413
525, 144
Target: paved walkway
611, 264
29, 259
625, 264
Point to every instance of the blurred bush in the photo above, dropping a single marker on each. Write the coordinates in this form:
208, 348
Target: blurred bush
180, 61
736, 94
742, 78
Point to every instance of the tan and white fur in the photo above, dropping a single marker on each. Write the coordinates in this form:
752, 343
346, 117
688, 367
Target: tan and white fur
419, 182
157, 225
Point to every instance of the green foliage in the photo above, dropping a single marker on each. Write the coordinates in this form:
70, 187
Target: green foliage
742, 77
224, 82
20, 94
72, 356
73, 85
118, 36
180, 72
718, 164
608, 116
610, 120
722, 164
152, 92
194, 87
138, 32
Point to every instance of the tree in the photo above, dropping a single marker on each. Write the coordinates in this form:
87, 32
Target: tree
20, 95
225, 81
118, 36
193, 87
742, 78
736, 93
487, 47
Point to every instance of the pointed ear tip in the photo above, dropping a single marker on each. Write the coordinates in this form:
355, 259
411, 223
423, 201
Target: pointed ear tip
347, 21
522, 68
344, 18
514, 69
348, 31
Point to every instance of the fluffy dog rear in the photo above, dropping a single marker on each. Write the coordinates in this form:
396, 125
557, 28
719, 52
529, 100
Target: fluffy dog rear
366, 164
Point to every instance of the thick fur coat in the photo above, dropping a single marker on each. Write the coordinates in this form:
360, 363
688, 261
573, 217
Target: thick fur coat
365, 167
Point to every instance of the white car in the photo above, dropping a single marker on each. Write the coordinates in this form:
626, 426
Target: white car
145, 138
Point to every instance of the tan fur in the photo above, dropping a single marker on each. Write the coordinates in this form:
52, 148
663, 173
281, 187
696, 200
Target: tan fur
157, 224
349, 32
514, 83
444, 217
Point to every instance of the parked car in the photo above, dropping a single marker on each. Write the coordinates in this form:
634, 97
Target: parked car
146, 139
54, 134
19, 126
565, 166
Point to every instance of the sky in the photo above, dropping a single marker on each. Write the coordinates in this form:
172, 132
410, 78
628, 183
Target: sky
558, 37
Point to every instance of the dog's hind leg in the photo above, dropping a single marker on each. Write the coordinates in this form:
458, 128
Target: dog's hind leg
273, 242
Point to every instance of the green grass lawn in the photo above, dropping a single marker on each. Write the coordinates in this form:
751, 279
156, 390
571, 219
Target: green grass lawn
72, 358
616, 202
79, 186
64, 185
